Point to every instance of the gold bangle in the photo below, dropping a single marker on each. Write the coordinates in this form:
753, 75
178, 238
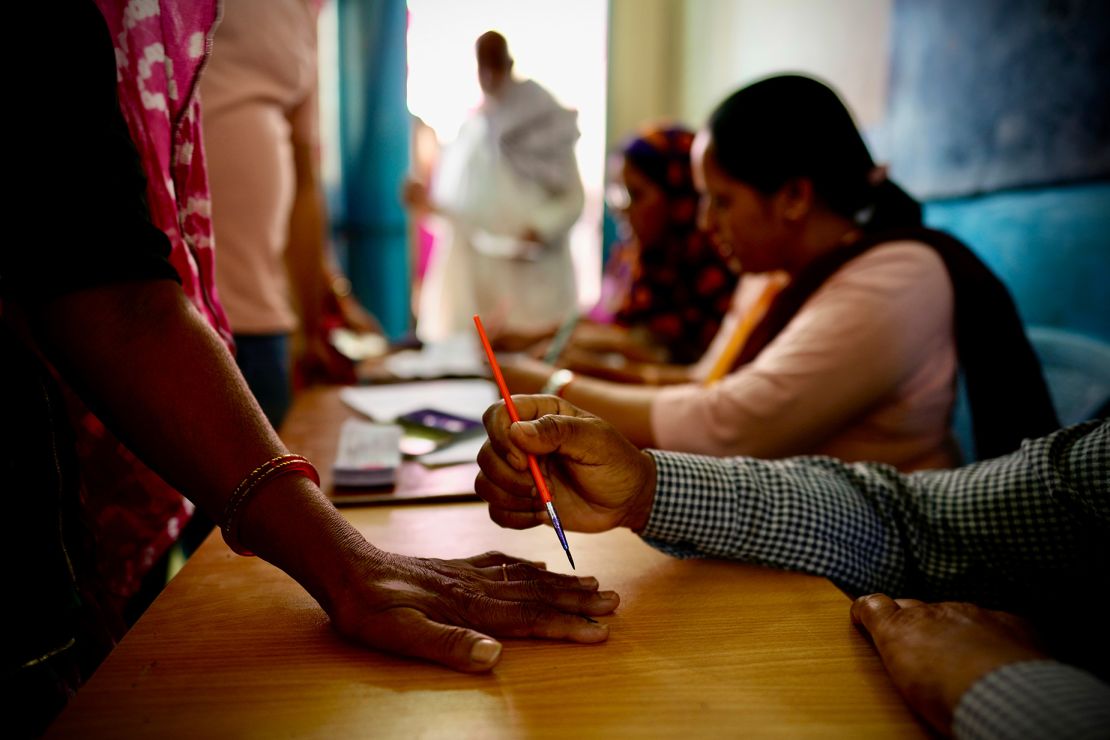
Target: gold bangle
272, 468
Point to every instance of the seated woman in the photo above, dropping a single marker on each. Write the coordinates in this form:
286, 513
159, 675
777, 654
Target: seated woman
857, 356
665, 287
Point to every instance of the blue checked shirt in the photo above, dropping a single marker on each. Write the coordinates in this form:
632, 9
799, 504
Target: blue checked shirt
1021, 533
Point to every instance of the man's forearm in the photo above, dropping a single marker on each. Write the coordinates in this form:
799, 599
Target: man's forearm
1001, 533
1040, 698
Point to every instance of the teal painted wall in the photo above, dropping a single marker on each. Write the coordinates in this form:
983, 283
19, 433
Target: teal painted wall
1050, 246
368, 218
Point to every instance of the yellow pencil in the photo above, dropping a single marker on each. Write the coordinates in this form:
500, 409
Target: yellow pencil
736, 342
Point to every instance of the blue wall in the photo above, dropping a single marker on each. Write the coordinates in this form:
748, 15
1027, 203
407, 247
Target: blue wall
1050, 246
999, 119
987, 95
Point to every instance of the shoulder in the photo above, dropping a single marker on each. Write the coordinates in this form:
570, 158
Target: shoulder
894, 256
898, 284
531, 95
894, 267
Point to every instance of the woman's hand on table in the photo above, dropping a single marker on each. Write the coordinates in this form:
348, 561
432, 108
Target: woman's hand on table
450, 611
598, 479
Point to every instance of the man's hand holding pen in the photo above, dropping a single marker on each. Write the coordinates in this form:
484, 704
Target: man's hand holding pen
598, 478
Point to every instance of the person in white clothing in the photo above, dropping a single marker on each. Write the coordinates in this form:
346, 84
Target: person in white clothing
506, 193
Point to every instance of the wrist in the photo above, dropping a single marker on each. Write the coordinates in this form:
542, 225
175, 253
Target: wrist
293, 526
639, 512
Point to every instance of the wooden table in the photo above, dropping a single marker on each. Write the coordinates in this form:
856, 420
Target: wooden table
698, 648
312, 429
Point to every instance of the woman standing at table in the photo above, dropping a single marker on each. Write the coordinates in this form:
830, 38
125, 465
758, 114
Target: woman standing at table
110, 293
857, 356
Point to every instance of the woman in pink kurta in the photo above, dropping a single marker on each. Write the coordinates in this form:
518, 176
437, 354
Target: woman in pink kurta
857, 355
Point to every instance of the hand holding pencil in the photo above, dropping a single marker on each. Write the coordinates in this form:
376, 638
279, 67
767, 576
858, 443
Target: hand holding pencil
599, 479
537, 475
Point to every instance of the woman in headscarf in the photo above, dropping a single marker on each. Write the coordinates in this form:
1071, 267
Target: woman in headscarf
666, 280
666, 286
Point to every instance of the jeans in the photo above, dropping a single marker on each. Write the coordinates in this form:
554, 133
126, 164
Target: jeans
264, 362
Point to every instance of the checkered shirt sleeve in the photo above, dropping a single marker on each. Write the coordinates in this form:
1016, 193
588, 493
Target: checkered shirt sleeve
1016, 533
1032, 522
1032, 700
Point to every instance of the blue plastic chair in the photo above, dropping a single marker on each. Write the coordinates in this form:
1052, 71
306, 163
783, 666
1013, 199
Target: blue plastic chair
1077, 370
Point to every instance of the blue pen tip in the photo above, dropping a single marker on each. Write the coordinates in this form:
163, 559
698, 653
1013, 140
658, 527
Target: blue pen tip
559, 532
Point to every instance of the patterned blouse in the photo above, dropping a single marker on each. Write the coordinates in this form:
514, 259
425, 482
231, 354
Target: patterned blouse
680, 287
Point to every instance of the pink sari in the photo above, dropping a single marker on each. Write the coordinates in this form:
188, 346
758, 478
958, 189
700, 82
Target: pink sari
161, 48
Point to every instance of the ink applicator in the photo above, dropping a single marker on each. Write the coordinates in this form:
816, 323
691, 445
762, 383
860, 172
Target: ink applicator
533, 465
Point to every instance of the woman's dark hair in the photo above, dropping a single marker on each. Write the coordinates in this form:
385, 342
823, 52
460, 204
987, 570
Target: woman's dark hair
790, 126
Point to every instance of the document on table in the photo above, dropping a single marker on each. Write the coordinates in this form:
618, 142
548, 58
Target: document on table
468, 398
457, 356
368, 455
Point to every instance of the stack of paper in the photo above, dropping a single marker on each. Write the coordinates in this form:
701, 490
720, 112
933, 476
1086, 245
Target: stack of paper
369, 454
458, 356
466, 398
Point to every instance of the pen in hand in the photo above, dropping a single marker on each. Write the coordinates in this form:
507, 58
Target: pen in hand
533, 465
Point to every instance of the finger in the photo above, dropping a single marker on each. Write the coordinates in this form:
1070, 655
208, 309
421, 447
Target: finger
571, 600
1013, 621
497, 497
493, 558
504, 472
908, 603
526, 574
531, 619
496, 420
406, 631
571, 436
517, 519
531, 407
871, 611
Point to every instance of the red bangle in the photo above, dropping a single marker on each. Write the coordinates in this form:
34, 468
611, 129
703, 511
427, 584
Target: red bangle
267, 471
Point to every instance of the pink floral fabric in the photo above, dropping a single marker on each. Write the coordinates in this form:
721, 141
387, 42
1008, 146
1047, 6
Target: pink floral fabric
160, 49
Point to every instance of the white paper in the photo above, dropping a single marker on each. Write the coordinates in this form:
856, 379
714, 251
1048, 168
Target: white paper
465, 450
368, 453
468, 398
457, 356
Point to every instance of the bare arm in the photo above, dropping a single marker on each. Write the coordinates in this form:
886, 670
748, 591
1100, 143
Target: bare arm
618, 368
626, 407
171, 391
304, 253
